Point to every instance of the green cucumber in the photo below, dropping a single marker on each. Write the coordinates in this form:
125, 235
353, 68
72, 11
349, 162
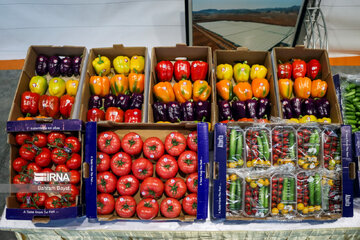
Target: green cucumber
239, 146
350, 86
232, 197
311, 193
261, 197
284, 196
291, 194
317, 194
265, 143
292, 145
232, 144
260, 146
266, 197
238, 194
317, 142
325, 205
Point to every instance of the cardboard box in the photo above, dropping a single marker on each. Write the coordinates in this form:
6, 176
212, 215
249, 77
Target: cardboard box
252, 57
69, 127
191, 53
112, 53
28, 72
146, 131
286, 54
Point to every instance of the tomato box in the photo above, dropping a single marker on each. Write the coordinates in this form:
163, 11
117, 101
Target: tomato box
147, 171
50, 70
123, 89
45, 158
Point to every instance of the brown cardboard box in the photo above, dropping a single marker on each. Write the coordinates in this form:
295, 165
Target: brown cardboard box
28, 72
111, 53
286, 54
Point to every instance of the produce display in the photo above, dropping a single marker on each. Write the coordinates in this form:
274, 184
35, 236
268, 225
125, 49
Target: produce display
117, 90
332, 197
258, 151
257, 196
283, 195
309, 195
331, 149
350, 101
284, 146
309, 147
236, 148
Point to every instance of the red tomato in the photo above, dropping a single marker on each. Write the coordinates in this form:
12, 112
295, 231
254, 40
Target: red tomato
147, 209
142, 168
125, 206
21, 138
170, 208
71, 196
151, 187
39, 140
59, 156
56, 139
19, 164
189, 204
175, 188
106, 182
102, 162
132, 143
74, 177
127, 185
43, 159
21, 179
191, 141
108, 142
73, 143
47, 170
192, 182
23, 197
53, 202
105, 203
153, 148
33, 168
61, 168
188, 162
68, 204
175, 143
27, 152
40, 198
166, 167
27, 206
120, 164
74, 162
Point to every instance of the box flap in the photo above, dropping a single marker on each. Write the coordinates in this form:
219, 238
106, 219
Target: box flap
55, 125
52, 214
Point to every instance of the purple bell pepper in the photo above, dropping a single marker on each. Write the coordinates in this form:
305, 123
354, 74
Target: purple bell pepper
287, 110
202, 111
238, 110
76, 63
295, 104
308, 107
251, 106
188, 111
224, 110
323, 108
123, 102
66, 68
54, 66
41, 65
160, 111
109, 101
136, 101
263, 108
95, 101
174, 111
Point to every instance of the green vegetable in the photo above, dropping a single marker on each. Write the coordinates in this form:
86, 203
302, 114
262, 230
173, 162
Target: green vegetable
284, 196
317, 193
238, 194
232, 144
239, 146
266, 197
311, 193
261, 197
350, 86
317, 142
260, 146
265, 143
291, 195
232, 197
292, 145
325, 205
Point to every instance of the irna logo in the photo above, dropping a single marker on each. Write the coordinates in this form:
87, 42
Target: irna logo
52, 177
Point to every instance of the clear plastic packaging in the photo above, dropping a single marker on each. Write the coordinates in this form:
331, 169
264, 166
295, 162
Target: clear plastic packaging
283, 195
332, 148
332, 194
236, 152
258, 147
308, 141
257, 196
284, 145
234, 193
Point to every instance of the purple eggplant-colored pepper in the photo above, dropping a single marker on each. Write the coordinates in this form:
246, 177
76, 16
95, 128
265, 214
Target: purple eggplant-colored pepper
263, 108
251, 106
160, 112
123, 102
136, 101
54, 66
174, 112
202, 111
287, 109
41, 65
66, 68
322, 108
238, 110
95, 101
224, 110
308, 107
188, 111
109, 101
295, 104
76, 63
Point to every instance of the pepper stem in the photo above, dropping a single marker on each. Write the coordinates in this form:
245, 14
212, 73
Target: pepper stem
100, 61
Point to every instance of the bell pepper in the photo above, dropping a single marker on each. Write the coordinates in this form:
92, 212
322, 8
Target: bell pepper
57, 87
296, 104
101, 65
224, 110
258, 71
122, 65
302, 87
183, 90
95, 115
287, 109
38, 84
164, 71
201, 90
188, 111
307, 118
160, 112
308, 107
49, 106
41, 65
198, 70
263, 108
119, 84
181, 70
136, 101
284, 70
318, 88
225, 89
66, 68
293, 120
95, 101
29, 103
224, 71
324, 120
99, 85
251, 107
71, 87
243, 91
203, 111
54, 66
109, 101
123, 102
322, 106
238, 109
136, 82
260, 87
174, 112
313, 70
114, 114
298, 68
66, 103
241, 72
133, 116
285, 87
164, 92
137, 64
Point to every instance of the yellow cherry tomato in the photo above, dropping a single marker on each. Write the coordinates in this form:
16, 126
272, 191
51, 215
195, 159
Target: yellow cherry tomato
275, 211
253, 184
300, 206
280, 206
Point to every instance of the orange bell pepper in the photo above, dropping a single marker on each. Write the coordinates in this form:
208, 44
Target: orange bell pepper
183, 90
99, 85
201, 90
119, 84
136, 82
243, 91
285, 88
302, 87
164, 92
260, 87
225, 89
318, 88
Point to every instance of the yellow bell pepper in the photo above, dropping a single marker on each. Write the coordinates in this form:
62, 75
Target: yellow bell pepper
324, 120
183, 90
119, 84
71, 87
122, 65
201, 90
308, 118
258, 71
224, 89
293, 120
241, 72
101, 65
137, 64
224, 71
164, 92
163, 122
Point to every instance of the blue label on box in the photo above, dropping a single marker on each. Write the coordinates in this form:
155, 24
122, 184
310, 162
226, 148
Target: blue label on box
55, 125
357, 144
346, 144
52, 214
336, 79
348, 193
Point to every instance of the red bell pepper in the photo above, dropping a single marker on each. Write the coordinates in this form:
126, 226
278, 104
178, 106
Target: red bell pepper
49, 106
199, 70
181, 70
133, 116
284, 70
164, 71
298, 68
313, 69
95, 115
66, 103
29, 103
114, 114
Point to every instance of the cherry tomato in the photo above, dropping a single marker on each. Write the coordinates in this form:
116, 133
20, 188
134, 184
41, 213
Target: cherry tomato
125, 206
108, 142
105, 203
188, 162
33, 168
27, 152
56, 139
166, 167
170, 208
21, 138
189, 204
43, 159
191, 141
192, 182
23, 197
120, 164
74, 162
53, 202
59, 156
175, 143
151, 187
61, 168
127, 185
147, 209
102, 162
74, 177
142, 168
71, 196
106, 182
175, 188
73, 143
132, 143
153, 148
19, 164
39, 140
40, 198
